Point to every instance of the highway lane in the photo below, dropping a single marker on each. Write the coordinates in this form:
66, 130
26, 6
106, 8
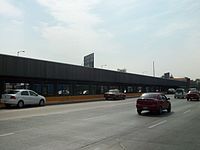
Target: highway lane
100, 126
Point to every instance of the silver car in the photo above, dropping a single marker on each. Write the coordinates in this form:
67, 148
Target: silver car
22, 97
180, 93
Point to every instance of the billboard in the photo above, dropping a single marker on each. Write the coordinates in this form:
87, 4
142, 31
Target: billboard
89, 60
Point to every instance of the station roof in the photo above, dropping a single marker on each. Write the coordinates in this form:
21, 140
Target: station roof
28, 68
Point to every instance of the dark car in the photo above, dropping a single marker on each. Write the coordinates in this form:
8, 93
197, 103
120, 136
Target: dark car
153, 102
193, 95
114, 94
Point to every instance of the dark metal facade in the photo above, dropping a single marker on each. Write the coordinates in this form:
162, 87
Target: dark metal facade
11, 66
20, 69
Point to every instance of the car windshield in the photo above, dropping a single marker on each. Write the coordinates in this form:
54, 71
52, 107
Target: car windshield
12, 92
179, 91
191, 92
149, 96
114, 90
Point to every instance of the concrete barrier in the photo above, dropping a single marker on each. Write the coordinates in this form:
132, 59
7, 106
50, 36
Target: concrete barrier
72, 99
76, 99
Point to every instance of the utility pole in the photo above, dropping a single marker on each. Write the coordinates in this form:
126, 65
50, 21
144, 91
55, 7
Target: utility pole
153, 69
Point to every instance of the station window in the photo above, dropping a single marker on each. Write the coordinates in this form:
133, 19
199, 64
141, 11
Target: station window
64, 89
81, 89
114, 87
37, 88
101, 89
93, 89
48, 89
130, 89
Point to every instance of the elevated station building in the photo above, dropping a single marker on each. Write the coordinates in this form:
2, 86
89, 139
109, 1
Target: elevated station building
54, 79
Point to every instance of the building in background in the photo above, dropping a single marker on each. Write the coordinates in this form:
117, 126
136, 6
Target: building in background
167, 75
122, 70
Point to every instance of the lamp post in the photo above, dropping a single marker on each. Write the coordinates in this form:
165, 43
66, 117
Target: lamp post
153, 69
19, 52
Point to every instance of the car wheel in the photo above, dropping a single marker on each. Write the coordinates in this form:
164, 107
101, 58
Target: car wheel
139, 112
169, 109
160, 110
20, 104
41, 103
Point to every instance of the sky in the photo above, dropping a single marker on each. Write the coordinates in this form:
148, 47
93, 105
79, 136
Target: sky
130, 34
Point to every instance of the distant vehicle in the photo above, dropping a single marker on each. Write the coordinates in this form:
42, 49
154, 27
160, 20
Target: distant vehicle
193, 89
85, 92
193, 95
114, 94
153, 102
171, 91
22, 97
63, 92
180, 93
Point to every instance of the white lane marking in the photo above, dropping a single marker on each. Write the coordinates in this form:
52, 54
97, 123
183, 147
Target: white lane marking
95, 117
157, 124
187, 111
6, 134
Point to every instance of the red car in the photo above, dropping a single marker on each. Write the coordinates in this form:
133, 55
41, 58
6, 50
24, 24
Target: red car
193, 95
114, 94
153, 102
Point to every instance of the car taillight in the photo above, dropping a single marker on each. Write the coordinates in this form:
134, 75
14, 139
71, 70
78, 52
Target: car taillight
12, 97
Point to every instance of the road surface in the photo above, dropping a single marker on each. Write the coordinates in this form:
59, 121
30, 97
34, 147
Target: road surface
102, 125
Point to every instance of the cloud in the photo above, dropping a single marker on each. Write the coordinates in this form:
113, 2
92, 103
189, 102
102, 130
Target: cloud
172, 29
72, 12
9, 10
76, 27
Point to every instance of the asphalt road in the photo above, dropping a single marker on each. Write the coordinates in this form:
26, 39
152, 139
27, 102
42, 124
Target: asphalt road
103, 125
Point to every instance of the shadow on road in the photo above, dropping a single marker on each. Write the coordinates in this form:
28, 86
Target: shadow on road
154, 114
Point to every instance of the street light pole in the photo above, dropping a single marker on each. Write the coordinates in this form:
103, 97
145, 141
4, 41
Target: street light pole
19, 52
153, 69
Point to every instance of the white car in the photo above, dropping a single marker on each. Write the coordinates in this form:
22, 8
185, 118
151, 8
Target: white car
22, 97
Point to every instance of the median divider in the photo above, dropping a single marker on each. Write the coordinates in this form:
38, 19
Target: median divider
77, 99
82, 98
73, 99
